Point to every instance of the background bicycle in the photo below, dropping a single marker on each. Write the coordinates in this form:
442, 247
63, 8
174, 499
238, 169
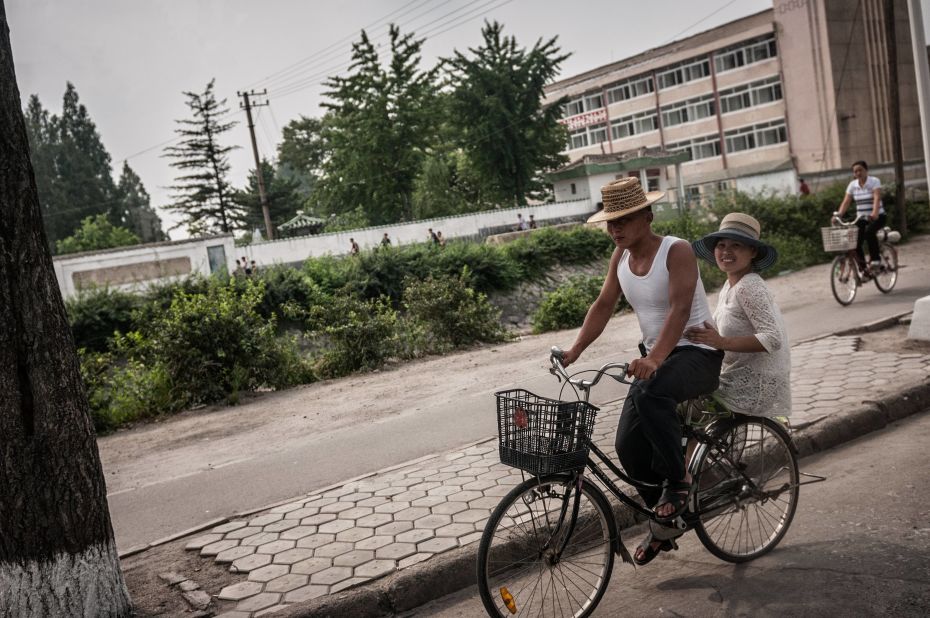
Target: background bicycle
549, 546
845, 273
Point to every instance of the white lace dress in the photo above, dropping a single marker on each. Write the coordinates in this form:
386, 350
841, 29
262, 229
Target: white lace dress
756, 383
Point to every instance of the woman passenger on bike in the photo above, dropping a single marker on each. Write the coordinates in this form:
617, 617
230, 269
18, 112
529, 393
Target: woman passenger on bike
755, 378
866, 191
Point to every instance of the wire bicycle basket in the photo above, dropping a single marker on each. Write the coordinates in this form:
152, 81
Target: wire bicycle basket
542, 435
838, 239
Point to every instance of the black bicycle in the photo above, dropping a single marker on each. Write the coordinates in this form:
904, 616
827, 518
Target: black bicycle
549, 546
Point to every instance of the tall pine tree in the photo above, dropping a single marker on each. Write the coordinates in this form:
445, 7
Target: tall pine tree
283, 198
72, 166
380, 121
140, 217
497, 94
202, 194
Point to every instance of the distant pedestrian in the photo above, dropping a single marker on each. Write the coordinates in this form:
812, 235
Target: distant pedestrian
804, 189
246, 267
254, 267
440, 239
386, 240
354, 250
521, 223
532, 223
240, 270
432, 237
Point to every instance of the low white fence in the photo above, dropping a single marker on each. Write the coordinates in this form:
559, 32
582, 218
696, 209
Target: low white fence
132, 268
290, 250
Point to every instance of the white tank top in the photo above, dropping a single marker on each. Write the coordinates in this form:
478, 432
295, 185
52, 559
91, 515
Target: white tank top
648, 295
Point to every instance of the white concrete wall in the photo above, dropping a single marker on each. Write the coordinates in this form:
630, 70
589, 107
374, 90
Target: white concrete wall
195, 250
290, 250
784, 182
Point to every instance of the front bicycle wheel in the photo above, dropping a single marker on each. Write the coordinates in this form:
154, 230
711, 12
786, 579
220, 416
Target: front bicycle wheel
887, 274
522, 565
843, 279
747, 488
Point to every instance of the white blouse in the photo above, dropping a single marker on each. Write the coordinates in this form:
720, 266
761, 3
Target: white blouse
756, 383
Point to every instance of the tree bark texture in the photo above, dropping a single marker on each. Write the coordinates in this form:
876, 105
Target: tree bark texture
57, 554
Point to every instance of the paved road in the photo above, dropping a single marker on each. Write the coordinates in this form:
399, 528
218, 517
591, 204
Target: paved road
277, 468
859, 546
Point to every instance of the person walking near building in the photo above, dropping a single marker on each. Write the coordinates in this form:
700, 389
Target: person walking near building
532, 223
386, 240
354, 247
804, 190
866, 192
659, 277
432, 237
440, 239
521, 223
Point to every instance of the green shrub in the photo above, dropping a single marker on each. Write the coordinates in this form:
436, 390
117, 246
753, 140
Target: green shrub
567, 305
450, 313
98, 313
282, 285
214, 345
360, 334
536, 253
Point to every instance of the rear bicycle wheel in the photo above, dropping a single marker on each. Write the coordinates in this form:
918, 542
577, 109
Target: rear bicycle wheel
887, 274
844, 279
747, 488
519, 567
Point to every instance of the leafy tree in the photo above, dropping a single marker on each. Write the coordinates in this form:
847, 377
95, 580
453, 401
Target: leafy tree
202, 193
140, 217
57, 552
72, 166
497, 94
283, 198
96, 233
380, 121
301, 152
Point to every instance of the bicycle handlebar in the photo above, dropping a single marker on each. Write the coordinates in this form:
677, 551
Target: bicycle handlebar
558, 370
835, 219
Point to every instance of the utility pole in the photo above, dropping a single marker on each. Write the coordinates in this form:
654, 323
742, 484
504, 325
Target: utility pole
919, 49
247, 105
891, 44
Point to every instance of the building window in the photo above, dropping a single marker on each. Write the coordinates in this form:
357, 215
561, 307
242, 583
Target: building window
597, 133
745, 53
629, 89
643, 122
756, 136
578, 139
574, 107
683, 72
593, 102
688, 111
702, 147
756, 93
574, 190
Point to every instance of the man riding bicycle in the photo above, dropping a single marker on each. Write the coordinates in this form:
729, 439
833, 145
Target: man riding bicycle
660, 279
866, 191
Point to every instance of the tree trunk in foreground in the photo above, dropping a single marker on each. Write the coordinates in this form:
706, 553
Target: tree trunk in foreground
57, 553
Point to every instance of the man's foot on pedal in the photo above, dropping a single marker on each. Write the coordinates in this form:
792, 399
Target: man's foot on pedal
674, 500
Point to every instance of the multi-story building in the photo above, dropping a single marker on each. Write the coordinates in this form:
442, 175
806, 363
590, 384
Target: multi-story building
797, 90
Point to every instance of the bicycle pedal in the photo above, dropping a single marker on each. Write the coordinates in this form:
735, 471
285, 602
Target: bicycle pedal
679, 523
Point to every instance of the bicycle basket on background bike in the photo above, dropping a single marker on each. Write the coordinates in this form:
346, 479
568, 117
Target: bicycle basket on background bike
542, 435
839, 238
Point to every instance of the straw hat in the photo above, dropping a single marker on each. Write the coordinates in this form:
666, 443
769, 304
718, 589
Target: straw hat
623, 197
743, 228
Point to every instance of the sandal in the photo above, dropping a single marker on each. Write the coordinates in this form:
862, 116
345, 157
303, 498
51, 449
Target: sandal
650, 552
676, 494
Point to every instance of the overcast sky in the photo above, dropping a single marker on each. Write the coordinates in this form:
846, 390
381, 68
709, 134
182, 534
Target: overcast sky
131, 59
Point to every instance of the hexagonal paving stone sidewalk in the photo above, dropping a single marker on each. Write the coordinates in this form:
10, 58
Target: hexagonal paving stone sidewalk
369, 528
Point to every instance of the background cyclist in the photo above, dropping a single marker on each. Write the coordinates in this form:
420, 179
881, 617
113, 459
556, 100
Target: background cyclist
866, 192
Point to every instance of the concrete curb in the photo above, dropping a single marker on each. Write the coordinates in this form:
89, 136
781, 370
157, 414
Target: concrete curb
454, 570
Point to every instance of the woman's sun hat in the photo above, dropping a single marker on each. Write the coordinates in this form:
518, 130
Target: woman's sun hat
623, 197
743, 228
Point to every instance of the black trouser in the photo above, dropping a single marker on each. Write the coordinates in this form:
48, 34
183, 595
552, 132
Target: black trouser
649, 433
868, 231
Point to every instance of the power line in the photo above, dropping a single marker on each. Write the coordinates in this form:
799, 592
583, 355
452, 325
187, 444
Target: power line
700, 21
330, 46
437, 30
